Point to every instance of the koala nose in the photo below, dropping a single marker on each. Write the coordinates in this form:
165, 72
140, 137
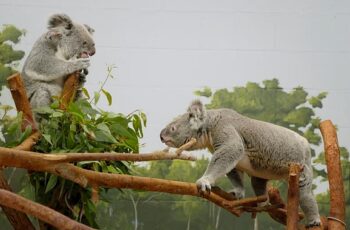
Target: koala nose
162, 135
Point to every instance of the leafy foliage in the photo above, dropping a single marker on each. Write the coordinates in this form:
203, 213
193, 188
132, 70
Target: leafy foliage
9, 36
83, 128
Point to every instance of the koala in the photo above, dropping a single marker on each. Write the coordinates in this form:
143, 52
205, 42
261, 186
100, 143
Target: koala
241, 145
64, 49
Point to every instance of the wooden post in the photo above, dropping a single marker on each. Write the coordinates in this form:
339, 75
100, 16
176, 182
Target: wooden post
293, 197
69, 89
336, 219
20, 98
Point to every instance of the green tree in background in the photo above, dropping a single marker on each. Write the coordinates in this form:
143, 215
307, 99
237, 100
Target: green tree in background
9, 36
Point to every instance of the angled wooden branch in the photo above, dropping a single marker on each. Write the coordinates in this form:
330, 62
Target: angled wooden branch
293, 197
40, 162
336, 217
20, 98
42, 212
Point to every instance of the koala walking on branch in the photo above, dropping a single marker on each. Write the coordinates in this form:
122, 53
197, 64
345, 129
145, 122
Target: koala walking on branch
240, 144
62, 50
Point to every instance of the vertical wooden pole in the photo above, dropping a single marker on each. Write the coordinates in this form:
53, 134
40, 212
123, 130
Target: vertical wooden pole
293, 197
69, 90
336, 219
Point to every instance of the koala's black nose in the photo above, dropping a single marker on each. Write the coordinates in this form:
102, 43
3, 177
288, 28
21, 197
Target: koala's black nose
161, 135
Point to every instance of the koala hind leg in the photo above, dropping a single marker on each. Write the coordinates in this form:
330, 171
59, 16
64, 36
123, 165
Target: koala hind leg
41, 97
236, 178
307, 199
259, 187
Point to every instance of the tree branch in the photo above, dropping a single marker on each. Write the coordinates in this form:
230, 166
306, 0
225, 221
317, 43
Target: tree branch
335, 178
42, 212
293, 197
20, 98
41, 162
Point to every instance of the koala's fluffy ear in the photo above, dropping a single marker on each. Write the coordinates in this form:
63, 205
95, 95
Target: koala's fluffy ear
60, 20
197, 114
91, 30
53, 35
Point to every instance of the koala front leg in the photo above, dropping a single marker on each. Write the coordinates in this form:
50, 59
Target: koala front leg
226, 156
236, 178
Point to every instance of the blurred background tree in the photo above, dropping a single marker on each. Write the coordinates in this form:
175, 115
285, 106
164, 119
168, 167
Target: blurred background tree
9, 37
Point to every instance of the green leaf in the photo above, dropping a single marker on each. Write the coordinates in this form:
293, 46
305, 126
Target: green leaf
104, 137
85, 92
47, 137
103, 127
120, 130
96, 97
144, 118
57, 114
108, 96
51, 183
25, 134
6, 107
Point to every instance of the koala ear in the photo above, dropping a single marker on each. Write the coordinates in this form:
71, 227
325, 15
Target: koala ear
197, 114
53, 35
58, 20
91, 30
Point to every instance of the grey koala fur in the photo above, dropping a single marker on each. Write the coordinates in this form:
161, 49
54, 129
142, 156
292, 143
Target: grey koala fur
240, 144
62, 50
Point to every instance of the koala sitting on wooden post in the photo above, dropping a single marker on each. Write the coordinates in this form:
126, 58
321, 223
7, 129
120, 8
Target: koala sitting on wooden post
240, 144
62, 50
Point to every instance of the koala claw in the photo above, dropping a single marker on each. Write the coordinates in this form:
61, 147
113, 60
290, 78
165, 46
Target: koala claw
203, 185
313, 224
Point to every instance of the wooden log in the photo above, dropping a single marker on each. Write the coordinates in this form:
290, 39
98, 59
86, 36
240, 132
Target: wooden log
293, 197
69, 90
336, 219
20, 98
42, 212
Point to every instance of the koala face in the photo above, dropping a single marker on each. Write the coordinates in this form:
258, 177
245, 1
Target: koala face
78, 42
74, 40
185, 127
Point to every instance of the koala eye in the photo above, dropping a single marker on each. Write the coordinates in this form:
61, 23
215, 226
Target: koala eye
85, 43
173, 128
191, 115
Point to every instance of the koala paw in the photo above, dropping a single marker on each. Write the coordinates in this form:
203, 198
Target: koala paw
204, 185
313, 224
82, 63
239, 193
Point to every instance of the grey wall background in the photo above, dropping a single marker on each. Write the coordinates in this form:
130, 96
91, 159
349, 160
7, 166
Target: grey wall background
164, 50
